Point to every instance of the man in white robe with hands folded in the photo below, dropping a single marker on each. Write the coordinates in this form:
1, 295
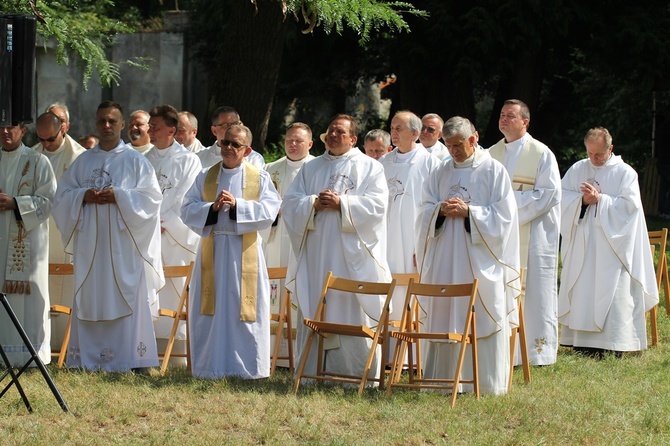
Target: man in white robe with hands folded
107, 209
608, 281
229, 307
468, 229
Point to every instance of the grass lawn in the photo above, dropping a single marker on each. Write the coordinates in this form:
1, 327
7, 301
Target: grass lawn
579, 400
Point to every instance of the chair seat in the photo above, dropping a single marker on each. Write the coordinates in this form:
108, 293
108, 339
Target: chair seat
412, 336
325, 328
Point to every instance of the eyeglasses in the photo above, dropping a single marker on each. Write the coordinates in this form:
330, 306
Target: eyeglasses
227, 125
428, 129
52, 139
233, 144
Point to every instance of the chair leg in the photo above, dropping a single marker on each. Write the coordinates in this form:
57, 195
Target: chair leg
653, 322
170, 344
66, 342
289, 329
278, 335
303, 361
523, 346
512, 357
666, 284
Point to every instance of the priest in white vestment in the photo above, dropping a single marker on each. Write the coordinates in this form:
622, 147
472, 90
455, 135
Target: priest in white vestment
27, 188
138, 131
536, 181
406, 169
187, 131
107, 209
430, 135
61, 150
608, 281
176, 169
468, 229
229, 306
335, 213
377, 143
297, 143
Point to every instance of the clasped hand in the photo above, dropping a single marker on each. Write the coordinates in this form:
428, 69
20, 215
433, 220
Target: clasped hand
327, 200
454, 208
105, 196
224, 198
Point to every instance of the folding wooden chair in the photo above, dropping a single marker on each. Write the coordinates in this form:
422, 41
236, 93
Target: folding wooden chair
180, 314
520, 332
283, 319
319, 325
407, 337
402, 279
659, 239
62, 269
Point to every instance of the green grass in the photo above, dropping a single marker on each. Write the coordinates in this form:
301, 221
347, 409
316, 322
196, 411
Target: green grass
579, 400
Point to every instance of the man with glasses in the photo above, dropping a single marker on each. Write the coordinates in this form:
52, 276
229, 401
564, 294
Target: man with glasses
61, 151
107, 209
176, 169
229, 309
27, 188
430, 135
222, 119
536, 182
138, 131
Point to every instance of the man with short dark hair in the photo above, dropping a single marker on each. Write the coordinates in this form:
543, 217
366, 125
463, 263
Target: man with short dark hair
229, 312
536, 181
223, 118
27, 188
107, 209
335, 213
176, 169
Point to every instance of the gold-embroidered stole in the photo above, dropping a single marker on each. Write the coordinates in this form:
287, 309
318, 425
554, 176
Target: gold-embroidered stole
249, 280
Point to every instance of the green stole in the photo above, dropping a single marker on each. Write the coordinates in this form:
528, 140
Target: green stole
249, 281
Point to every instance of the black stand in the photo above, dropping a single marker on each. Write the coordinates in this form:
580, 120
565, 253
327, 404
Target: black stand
34, 357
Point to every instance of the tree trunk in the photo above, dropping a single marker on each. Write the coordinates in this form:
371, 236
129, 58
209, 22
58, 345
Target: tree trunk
246, 72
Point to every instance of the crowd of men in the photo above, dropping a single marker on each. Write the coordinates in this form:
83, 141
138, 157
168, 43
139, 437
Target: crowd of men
426, 199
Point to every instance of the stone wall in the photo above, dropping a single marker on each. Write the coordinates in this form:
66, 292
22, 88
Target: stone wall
172, 78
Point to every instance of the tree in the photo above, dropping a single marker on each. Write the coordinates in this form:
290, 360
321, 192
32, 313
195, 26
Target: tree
242, 42
82, 28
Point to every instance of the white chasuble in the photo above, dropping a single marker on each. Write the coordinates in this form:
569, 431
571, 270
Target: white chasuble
608, 281
350, 243
176, 169
533, 169
61, 288
277, 245
405, 175
117, 264
24, 252
488, 252
221, 343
